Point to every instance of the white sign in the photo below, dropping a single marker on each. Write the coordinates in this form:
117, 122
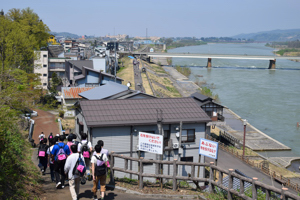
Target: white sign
151, 143
208, 148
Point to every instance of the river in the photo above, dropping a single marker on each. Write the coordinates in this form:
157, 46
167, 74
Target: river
268, 99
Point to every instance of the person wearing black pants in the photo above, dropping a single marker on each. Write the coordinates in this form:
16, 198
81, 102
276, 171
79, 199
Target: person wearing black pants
60, 152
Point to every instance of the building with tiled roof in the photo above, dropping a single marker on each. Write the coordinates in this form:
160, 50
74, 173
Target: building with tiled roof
70, 94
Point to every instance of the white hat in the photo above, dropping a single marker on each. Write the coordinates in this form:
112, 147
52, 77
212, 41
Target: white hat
57, 134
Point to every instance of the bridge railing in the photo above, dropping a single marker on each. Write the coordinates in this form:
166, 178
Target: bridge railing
211, 180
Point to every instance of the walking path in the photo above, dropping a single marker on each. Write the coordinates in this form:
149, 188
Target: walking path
85, 191
44, 122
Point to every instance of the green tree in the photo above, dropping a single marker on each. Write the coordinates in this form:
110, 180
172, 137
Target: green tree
56, 81
21, 32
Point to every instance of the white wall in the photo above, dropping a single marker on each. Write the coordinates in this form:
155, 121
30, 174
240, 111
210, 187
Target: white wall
41, 67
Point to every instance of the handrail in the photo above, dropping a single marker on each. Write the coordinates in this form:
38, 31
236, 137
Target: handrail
192, 177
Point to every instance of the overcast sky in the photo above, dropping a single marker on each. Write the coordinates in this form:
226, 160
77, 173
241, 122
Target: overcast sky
164, 18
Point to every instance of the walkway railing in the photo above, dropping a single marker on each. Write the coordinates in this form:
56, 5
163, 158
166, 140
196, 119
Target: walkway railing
269, 190
283, 180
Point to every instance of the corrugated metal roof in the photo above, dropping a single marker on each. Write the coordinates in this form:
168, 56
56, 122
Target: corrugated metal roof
72, 92
99, 113
104, 91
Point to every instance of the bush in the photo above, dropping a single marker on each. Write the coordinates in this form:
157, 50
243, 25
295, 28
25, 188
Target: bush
61, 113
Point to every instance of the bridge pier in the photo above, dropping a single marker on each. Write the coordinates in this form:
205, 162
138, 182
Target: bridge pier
208, 63
272, 64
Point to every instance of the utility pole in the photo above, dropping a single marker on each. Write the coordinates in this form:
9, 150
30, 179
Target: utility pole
115, 61
146, 33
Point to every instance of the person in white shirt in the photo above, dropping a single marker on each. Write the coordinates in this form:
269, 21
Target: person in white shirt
74, 180
99, 160
89, 145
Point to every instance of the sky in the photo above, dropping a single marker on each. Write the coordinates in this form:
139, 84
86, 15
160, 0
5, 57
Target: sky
163, 18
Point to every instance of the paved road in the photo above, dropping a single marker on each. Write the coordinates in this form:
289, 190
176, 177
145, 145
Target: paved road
138, 78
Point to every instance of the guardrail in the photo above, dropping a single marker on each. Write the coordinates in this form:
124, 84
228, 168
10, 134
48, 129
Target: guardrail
285, 181
210, 181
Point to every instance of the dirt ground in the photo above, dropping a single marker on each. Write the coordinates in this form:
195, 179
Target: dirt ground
44, 122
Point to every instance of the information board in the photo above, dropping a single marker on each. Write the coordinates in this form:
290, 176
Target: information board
152, 143
208, 148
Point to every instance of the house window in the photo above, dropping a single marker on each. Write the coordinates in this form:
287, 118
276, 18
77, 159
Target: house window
45, 55
44, 84
188, 135
166, 137
44, 74
52, 64
44, 65
187, 159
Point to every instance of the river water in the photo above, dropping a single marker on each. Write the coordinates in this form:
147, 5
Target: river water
268, 99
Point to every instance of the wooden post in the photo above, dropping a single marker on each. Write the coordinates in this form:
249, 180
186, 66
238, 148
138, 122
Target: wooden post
112, 162
125, 164
141, 173
242, 183
211, 177
174, 174
192, 171
283, 190
254, 188
220, 177
230, 184
267, 194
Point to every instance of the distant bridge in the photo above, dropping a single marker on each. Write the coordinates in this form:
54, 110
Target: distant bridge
209, 57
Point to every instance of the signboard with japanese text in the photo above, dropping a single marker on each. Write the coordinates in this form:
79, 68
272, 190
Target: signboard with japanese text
152, 143
208, 148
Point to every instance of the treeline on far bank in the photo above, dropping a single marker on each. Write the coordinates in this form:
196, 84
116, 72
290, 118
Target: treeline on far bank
286, 47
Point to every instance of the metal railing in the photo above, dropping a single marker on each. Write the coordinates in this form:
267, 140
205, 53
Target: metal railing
269, 190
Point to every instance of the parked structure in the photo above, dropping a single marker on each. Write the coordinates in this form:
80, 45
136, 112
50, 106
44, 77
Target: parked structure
118, 123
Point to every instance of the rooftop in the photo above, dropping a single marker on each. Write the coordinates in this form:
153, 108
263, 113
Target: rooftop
100, 113
104, 91
72, 92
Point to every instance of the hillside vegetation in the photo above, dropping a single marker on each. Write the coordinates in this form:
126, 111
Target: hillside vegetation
274, 35
21, 32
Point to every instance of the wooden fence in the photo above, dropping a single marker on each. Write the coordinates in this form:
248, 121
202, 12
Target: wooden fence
283, 180
210, 181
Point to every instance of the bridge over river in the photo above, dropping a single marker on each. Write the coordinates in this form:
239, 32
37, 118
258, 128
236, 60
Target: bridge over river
209, 57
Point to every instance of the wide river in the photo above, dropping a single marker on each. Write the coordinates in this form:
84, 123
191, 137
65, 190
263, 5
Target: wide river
268, 99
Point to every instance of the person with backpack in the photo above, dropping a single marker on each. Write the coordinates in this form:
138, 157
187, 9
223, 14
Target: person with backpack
42, 154
74, 167
50, 137
99, 171
85, 148
41, 137
51, 161
70, 142
60, 153
105, 151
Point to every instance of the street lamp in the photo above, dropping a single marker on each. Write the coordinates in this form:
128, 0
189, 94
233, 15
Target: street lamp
245, 123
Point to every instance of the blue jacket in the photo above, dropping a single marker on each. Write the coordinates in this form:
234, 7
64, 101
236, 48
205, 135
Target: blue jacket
56, 148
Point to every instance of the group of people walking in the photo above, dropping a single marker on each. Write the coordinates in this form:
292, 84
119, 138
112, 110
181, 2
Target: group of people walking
74, 161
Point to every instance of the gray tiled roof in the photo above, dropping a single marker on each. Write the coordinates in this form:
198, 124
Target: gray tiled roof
104, 91
54, 51
201, 97
80, 63
99, 113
